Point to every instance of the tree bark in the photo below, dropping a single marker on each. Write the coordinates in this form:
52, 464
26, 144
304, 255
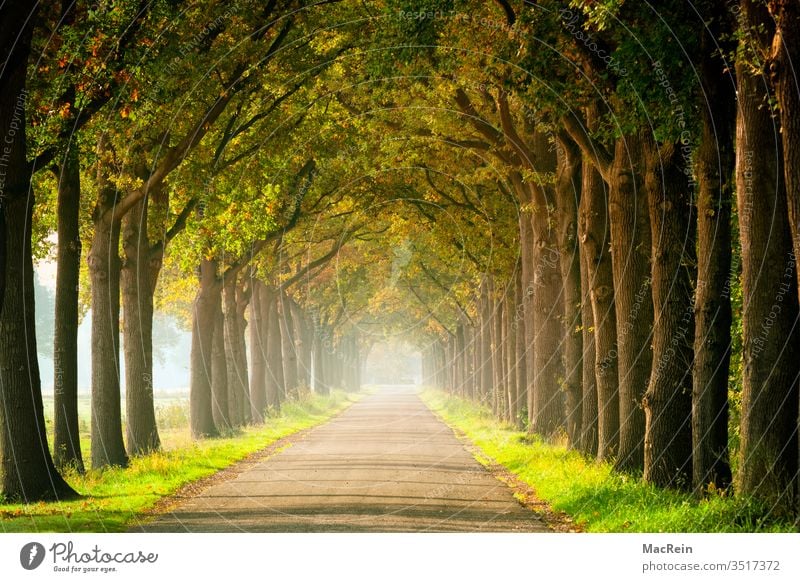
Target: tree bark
276, 391
497, 356
784, 61
548, 400
595, 236
104, 269
219, 368
138, 276
27, 471
588, 430
568, 193
303, 343
485, 353
203, 321
668, 400
321, 385
510, 353
258, 351
66, 435
288, 346
520, 415
528, 286
768, 441
630, 251
235, 355
715, 172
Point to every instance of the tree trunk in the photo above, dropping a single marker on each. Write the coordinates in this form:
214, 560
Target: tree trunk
595, 236
520, 359
485, 355
768, 439
303, 342
548, 400
138, 286
288, 346
321, 385
203, 319
630, 251
219, 368
235, 355
715, 169
275, 380
66, 435
568, 193
783, 70
258, 351
27, 472
104, 266
588, 430
243, 292
668, 401
528, 284
510, 353
497, 355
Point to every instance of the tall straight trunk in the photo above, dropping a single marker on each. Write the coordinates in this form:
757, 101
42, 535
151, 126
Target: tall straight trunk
498, 359
630, 251
548, 400
712, 340
243, 292
476, 356
235, 355
458, 361
204, 316
27, 472
219, 369
258, 354
785, 59
485, 357
66, 432
138, 276
588, 431
104, 269
288, 345
468, 357
518, 325
595, 236
275, 379
668, 400
232, 366
768, 437
321, 385
447, 360
783, 64
303, 342
568, 193
510, 353
528, 284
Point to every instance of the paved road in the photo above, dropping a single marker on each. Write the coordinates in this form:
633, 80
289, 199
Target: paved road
387, 464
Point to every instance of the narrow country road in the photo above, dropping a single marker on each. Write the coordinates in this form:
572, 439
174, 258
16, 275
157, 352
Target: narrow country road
387, 464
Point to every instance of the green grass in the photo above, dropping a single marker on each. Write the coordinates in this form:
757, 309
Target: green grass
114, 498
598, 499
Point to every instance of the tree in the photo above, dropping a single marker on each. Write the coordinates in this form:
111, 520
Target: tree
27, 471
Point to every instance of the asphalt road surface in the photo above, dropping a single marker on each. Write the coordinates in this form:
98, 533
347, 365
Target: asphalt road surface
386, 464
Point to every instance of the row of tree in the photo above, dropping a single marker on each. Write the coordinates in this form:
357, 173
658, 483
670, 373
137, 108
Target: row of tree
583, 215
645, 149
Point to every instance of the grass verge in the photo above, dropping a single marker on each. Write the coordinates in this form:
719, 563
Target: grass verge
114, 497
590, 492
